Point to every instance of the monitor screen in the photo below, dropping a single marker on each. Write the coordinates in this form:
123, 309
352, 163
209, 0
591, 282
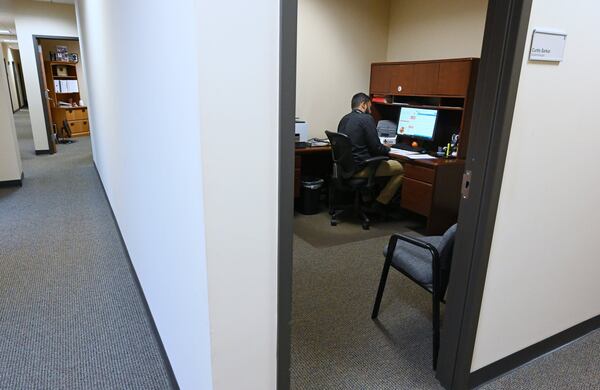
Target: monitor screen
417, 122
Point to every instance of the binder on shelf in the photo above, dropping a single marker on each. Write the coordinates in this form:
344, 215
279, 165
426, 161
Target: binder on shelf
73, 87
57, 86
64, 86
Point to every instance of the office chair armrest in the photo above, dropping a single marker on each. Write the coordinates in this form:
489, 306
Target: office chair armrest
376, 159
372, 164
435, 257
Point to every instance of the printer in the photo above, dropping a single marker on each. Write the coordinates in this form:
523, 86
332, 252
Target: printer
301, 131
386, 130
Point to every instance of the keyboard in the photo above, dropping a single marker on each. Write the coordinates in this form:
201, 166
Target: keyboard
407, 147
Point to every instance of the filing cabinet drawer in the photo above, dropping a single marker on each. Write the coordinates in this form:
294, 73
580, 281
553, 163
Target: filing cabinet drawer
417, 196
419, 173
81, 113
76, 127
75, 114
85, 126
72, 114
297, 174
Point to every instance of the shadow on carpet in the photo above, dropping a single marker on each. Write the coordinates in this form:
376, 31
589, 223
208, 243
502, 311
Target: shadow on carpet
318, 232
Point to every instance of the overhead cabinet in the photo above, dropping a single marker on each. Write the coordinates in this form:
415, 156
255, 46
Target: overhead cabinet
424, 78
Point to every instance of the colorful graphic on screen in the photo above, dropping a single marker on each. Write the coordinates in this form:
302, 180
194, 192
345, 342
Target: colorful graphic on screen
417, 122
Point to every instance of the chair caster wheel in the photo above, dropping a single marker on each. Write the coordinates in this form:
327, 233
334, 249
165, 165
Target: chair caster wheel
333, 223
366, 226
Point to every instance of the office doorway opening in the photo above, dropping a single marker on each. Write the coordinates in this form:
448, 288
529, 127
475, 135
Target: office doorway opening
328, 291
63, 90
14, 74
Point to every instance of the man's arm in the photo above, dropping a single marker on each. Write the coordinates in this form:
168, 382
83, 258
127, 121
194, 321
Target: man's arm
376, 148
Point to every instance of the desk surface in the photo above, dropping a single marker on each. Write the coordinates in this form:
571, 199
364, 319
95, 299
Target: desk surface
426, 163
314, 149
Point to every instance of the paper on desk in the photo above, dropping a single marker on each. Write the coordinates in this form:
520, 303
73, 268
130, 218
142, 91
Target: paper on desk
421, 157
402, 152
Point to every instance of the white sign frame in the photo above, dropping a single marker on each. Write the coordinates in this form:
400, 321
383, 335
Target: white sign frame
547, 45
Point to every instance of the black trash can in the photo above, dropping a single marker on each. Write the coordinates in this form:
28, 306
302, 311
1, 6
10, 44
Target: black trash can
310, 195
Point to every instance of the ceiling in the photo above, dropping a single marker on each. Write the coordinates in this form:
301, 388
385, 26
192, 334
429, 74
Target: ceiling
7, 19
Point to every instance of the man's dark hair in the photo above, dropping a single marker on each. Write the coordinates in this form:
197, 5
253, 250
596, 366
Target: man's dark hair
359, 99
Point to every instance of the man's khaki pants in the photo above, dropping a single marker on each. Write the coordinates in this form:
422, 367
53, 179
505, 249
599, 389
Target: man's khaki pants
389, 168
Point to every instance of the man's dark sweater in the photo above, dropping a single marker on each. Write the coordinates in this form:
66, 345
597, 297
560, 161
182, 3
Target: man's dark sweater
361, 129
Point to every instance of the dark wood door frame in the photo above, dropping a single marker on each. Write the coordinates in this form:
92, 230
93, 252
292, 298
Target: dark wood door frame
43, 86
22, 86
499, 70
17, 89
288, 25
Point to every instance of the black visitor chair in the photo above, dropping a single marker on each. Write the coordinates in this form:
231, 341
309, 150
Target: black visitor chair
343, 180
426, 261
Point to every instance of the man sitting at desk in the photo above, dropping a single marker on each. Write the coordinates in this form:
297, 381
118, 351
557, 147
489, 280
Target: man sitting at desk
360, 127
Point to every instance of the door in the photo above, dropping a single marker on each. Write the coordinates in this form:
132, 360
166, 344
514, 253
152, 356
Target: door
45, 99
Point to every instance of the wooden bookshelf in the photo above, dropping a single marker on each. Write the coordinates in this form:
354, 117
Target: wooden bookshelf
76, 116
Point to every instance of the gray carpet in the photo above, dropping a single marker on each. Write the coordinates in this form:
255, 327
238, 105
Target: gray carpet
71, 316
318, 232
335, 344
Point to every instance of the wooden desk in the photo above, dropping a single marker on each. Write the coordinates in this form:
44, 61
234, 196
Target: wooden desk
430, 188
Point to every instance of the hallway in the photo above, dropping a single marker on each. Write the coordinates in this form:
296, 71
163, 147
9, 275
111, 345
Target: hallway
71, 315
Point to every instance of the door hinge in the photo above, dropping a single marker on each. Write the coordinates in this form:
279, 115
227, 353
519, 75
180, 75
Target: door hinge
466, 185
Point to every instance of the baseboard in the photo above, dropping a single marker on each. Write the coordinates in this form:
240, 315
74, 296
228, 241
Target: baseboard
517, 359
38, 152
13, 183
163, 352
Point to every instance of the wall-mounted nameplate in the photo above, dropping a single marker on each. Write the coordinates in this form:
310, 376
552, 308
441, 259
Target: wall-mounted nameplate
547, 45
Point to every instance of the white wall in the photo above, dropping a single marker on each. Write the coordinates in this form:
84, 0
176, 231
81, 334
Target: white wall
162, 161
337, 42
39, 18
10, 158
435, 29
543, 270
146, 145
240, 186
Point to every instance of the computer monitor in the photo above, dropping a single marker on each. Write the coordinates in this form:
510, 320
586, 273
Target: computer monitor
417, 123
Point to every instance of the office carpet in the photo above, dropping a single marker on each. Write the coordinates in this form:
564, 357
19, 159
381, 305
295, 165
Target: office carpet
336, 345
71, 316
318, 232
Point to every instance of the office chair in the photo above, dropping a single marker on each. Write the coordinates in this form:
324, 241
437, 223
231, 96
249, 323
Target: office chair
62, 136
426, 261
343, 180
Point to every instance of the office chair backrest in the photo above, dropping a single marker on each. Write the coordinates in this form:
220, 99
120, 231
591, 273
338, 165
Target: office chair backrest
446, 248
343, 161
